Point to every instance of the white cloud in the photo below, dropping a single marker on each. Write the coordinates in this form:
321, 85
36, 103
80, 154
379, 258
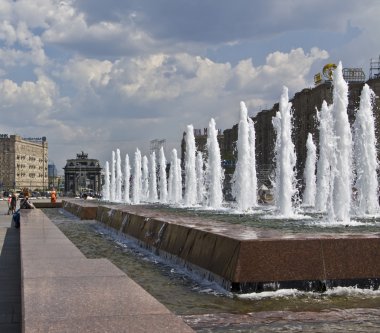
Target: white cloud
21, 45
93, 75
84, 73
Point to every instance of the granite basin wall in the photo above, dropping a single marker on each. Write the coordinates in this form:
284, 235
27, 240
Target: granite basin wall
47, 204
84, 210
239, 261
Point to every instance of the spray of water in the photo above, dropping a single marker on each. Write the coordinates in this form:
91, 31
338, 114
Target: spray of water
326, 153
127, 176
153, 196
309, 173
119, 176
252, 163
136, 189
145, 179
175, 179
113, 178
241, 180
190, 197
214, 171
200, 178
286, 157
342, 163
163, 186
365, 156
106, 186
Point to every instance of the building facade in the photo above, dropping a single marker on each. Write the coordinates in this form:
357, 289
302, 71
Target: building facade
23, 163
82, 174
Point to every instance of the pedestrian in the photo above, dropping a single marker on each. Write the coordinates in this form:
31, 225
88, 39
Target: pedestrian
53, 196
13, 203
9, 204
26, 204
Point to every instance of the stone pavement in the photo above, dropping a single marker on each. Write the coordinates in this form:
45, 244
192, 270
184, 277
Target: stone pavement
63, 291
10, 274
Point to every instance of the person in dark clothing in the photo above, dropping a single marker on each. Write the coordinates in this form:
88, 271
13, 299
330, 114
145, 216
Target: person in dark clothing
25, 204
13, 203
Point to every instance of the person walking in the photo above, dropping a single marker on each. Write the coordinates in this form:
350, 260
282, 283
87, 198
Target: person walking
9, 204
13, 203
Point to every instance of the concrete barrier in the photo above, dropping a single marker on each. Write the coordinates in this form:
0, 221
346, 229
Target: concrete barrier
62, 291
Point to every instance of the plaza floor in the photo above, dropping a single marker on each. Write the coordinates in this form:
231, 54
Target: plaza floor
10, 274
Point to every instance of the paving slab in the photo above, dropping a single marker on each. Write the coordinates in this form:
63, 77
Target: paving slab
68, 267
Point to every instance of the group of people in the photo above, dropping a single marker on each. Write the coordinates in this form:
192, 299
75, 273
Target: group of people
12, 203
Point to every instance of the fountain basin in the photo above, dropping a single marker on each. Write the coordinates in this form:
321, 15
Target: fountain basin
246, 259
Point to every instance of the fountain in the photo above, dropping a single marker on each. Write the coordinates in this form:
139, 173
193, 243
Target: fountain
329, 191
127, 176
236, 255
163, 185
365, 155
175, 179
106, 186
285, 158
119, 176
153, 196
113, 178
214, 171
309, 193
145, 180
341, 163
326, 153
190, 198
136, 189
244, 183
200, 178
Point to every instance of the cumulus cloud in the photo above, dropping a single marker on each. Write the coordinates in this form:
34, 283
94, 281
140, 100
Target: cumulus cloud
21, 45
98, 75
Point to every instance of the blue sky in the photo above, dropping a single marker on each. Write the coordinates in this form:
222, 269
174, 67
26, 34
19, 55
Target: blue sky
99, 75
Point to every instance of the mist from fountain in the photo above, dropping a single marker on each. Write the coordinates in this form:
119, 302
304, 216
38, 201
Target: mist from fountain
365, 156
136, 188
106, 186
190, 197
163, 185
118, 177
127, 177
286, 159
214, 171
326, 153
309, 173
153, 196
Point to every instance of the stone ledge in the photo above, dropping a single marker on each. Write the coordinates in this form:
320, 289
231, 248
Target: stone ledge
62, 291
